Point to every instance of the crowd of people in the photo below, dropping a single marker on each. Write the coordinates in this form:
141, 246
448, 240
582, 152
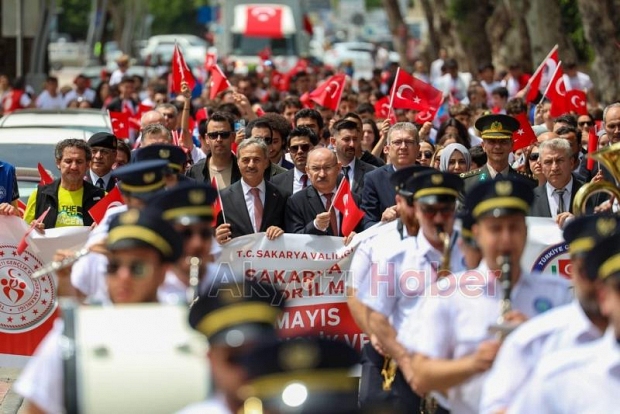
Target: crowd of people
455, 324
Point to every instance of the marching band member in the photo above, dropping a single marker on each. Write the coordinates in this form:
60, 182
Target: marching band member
565, 326
584, 378
142, 247
449, 338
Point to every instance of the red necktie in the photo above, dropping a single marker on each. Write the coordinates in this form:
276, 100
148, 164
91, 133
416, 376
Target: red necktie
258, 208
304, 181
333, 223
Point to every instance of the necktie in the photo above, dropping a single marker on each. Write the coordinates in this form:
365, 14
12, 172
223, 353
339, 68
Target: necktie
499, 176
345, 171
333, 223
258, 208
304, 181
560, 193
99, 183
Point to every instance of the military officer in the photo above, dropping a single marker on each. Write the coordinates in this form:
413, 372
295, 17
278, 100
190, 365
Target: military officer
432, 195
451, 336
584, 378
496, 133
573, 324
141, 247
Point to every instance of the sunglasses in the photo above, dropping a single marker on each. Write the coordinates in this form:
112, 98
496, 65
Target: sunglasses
137, 268
430, 211
585, 123
303, 147
426, 155
534, 156
222, 134
187, 233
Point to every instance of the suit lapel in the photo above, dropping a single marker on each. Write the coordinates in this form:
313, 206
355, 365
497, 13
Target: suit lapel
271, 200
544, 201
358, 176
576, 186
238, 205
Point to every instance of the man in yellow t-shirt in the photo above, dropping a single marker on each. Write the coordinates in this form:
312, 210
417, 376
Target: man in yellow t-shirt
69, 197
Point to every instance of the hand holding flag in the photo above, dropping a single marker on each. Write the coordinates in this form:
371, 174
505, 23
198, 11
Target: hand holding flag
180, 71
345, 204
217, 206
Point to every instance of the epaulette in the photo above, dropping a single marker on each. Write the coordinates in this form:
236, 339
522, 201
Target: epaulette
471, 173
526, 175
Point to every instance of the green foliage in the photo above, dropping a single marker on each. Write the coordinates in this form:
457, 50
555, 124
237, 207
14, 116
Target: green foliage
459, 9
374, 4
174, 16
571, 21
74, 18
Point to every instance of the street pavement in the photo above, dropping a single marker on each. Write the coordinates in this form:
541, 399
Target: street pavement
10, 402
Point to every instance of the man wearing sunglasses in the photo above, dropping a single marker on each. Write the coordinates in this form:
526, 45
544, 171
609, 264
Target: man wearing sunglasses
221, 163
301, 141
261, 128
141, 248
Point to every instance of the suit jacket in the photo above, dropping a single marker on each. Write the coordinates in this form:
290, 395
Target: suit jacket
540, 205
236, 211
200, 171
116, 105
303, 207
108, 188
286, 164
273, 170
378, 194
284, 182
472, 178
361, 168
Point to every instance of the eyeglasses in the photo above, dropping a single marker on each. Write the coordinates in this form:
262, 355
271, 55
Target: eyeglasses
326, 168
137, 268
406, 142
296, 148
268, 140
103, 151
168, 115
222, 134
534, 156
188, 232
426, 155
585, 123
431, 212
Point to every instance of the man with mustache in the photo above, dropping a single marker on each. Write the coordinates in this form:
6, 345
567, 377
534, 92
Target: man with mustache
103, 146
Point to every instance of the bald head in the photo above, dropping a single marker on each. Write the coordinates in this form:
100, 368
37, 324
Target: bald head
151, 117
546, 136
323, 169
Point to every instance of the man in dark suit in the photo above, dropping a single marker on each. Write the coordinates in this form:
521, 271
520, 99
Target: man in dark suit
309, 211
496, 133
252, 204
378, 195
220, 162
345, 138
555, 197
301, 141
103, 147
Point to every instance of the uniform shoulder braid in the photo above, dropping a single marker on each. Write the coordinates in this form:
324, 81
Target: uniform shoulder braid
471, 173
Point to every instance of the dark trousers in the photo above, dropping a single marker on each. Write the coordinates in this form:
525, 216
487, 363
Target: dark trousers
401, 398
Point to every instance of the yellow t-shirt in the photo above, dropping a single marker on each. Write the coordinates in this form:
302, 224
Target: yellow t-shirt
69, 208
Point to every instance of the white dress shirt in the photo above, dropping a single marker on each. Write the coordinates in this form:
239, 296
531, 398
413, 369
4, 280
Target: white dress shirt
554, 198
94, 177
249, 200
297, 184
351, 170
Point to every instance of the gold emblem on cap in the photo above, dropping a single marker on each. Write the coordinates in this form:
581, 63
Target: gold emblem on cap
496, 126
196, 197
436, 179
605, 226
129, 217
296, 356
148, 178
164, 153
503, 188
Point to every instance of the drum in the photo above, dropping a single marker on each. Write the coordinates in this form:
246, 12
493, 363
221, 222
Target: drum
132, 358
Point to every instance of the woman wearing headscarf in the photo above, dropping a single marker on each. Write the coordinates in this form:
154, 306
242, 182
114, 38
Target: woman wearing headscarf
455, 159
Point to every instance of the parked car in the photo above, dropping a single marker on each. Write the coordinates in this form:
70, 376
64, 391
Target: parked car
89, 120
194, 48
27, 181
360, 54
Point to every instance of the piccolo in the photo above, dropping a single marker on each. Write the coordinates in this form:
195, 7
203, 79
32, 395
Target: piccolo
60, 264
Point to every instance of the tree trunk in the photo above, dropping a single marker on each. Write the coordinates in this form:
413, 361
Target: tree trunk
508, 35
600, 30
474, 40
442, 30
397, 28
544, 22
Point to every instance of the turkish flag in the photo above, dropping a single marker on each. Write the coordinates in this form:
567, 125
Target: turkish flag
345, 204
201, 114
46, 178
382, 107
556, 93
180, 71
142, 108
427, 115
329, 93
577, 102
408, 92
120, 124
592, 147
112, 199
264, 21
265, 53
21, 206
217, 206
219, 82
210, 60
305, 100
540, 79
525, 135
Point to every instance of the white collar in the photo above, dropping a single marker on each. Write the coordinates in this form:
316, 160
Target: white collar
550, 189
247, 188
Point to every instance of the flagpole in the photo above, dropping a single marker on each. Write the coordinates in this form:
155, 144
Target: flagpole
539, 68
219, 199
551, 81
336, 194
392, 94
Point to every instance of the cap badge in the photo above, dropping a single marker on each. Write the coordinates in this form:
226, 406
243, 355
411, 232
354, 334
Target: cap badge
164, 153
503, 188
196, 197
228, 296
496, 127
296, 356
148, 178
605, 226
130, 217
437, 179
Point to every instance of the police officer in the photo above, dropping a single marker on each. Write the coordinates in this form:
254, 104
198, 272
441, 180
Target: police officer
432, 195
496, 133
176, 157
565, 326
450, 336
141, 247
584, 378
235, 318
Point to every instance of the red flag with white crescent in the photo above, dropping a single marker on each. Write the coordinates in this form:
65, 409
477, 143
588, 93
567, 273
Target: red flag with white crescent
382, 107
264, 21
180, 71
345, 204
112, 199
120, 124
408, 92
556, 93
540, 79
577, 102
219, 82
329, 93
525, 135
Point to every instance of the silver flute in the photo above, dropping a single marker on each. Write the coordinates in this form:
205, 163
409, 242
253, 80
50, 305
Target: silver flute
60, 264
194, 279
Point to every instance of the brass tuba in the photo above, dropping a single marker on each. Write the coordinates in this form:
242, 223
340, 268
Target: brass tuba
447, 251
610, 158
